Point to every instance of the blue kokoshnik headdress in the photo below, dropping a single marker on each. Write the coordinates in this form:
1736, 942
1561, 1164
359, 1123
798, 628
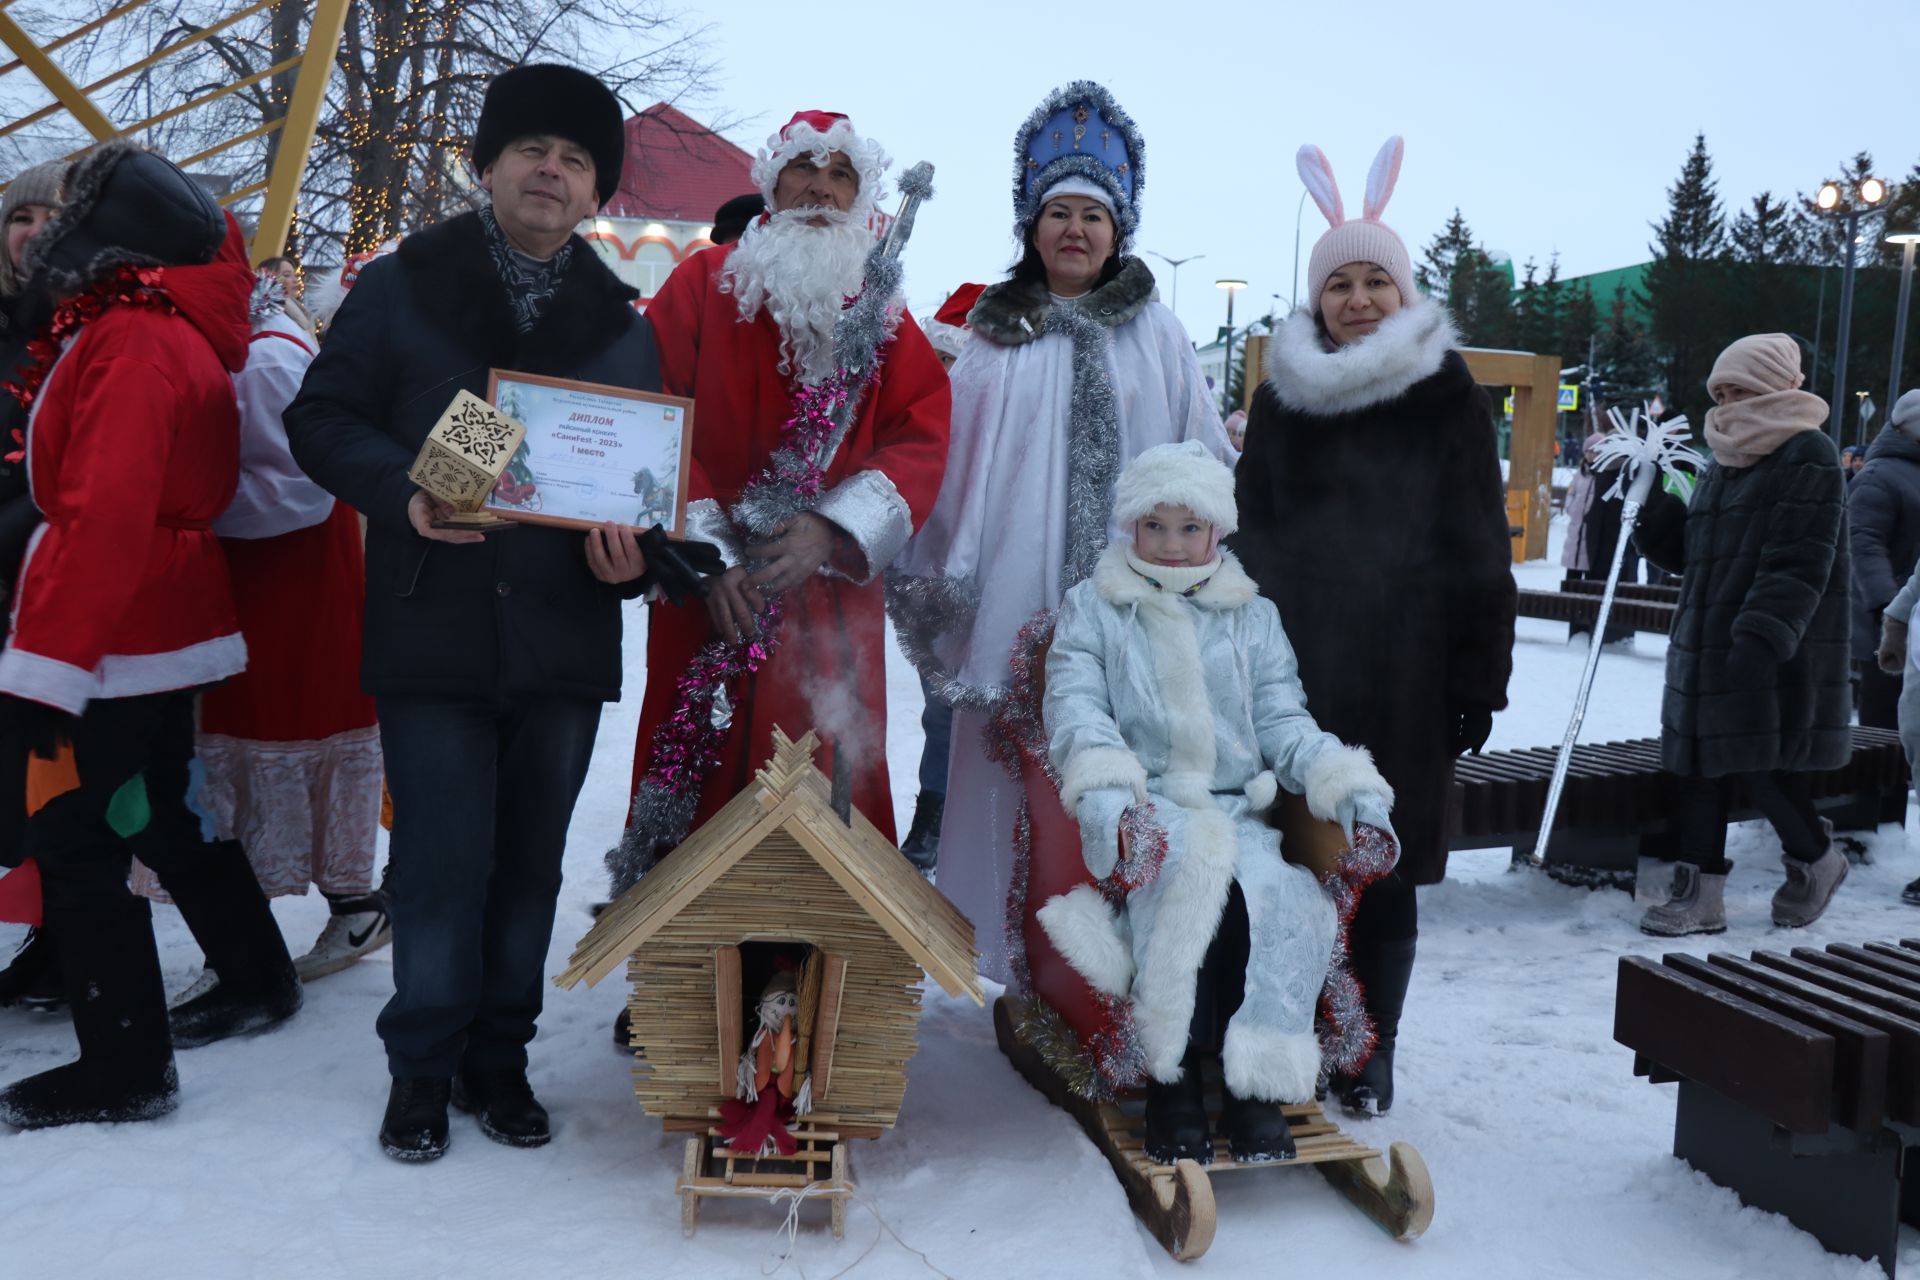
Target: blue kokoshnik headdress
1079, 131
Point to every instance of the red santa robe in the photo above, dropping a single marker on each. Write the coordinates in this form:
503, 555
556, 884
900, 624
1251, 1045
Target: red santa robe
878, 489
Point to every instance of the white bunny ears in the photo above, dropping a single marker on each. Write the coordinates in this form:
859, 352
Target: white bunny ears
1317, 172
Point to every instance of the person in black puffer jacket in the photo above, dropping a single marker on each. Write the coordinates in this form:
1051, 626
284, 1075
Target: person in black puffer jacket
1883, 516
1757, 666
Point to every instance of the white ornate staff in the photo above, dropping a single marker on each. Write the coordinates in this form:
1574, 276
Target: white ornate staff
1645, 449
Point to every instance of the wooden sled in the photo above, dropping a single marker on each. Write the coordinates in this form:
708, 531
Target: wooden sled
710, 1168
1176, 1201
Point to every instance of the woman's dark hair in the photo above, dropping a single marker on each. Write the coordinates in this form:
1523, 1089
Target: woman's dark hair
274, 264
1032, 270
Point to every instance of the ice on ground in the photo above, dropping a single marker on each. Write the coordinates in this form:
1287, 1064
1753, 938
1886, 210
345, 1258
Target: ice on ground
1549, 1157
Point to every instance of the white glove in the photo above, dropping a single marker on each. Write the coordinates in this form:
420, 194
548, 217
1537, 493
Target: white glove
1369, 807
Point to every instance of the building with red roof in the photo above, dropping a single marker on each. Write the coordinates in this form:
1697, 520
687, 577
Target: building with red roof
677, 172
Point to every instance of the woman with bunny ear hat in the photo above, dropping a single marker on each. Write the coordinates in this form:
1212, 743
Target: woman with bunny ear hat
1372, 515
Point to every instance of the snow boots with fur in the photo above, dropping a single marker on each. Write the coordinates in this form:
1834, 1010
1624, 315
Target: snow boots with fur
1695, 904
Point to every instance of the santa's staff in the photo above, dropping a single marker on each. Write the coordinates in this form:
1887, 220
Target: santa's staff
1644, 456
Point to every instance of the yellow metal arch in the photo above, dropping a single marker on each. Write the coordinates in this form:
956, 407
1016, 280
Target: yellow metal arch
282, 186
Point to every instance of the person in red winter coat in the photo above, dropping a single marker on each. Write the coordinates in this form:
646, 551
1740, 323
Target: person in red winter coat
122, 610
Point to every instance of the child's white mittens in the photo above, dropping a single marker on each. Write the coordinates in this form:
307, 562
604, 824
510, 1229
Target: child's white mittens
1369, 808
1098, 813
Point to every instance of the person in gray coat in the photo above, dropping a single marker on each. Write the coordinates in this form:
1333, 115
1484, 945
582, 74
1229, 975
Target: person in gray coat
1174, 714
1883, 519
1758, 687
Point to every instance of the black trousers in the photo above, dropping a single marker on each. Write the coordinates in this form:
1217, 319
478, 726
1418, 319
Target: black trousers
1701, 817
131, 756
1222, 981
483, 791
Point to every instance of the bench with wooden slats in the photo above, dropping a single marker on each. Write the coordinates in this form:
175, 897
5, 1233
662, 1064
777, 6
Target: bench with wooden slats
1618, 802
1575, 607
1664, 593
1799, 1078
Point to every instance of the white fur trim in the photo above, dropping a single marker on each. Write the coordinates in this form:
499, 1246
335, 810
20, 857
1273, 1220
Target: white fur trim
1268, 1065
1118, 584
1338, 774
1192, 752
1075, 185
1407, 348
1192, 897
1098, 768
1263, 790
1091, 937
1181, 475
39, 678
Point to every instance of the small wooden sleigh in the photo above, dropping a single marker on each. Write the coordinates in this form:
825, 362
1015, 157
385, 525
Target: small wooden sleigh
821, 1167
1175, 1202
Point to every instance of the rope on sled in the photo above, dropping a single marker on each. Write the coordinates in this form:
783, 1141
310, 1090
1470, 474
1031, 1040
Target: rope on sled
794, 1197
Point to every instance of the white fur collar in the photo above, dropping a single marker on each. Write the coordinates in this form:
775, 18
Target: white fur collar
1407, 348
1117, 583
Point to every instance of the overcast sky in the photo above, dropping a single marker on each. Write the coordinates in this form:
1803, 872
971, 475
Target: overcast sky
1552, 126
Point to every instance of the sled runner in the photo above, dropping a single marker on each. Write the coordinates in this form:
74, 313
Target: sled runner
1175, 1202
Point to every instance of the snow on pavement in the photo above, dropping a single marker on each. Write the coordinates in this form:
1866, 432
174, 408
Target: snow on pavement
1549, 1157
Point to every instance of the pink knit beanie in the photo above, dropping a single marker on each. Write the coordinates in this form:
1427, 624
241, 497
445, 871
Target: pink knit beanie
1761, 363
1362, 239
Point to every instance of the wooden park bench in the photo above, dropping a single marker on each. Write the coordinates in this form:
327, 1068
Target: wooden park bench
1799, 1078
1663, 593
1618, 803
1579, 607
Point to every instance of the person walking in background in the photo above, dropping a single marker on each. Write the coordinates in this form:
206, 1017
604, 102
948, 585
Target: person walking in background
1883, 522
1393, 581
731, 220
1757, 666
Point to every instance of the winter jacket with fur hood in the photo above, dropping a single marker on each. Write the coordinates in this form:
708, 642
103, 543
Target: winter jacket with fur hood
1764, 554
1373, 514
132, 451
1192, 703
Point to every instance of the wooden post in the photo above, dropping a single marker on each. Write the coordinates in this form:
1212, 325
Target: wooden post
296, 137
1255, 367
1535, 380
66, 91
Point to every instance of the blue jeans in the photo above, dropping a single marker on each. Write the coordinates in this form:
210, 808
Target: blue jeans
936, 720
483, 790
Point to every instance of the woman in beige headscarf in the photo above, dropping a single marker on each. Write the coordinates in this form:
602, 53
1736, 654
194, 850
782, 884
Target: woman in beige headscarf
1758, 680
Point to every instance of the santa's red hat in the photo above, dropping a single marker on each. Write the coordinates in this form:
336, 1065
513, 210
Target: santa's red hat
949, 331
817, 134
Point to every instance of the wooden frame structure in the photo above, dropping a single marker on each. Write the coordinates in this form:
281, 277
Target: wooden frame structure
281, 187
1535, 380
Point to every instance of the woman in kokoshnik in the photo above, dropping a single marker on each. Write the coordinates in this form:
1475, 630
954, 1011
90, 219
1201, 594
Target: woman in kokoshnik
1073, 369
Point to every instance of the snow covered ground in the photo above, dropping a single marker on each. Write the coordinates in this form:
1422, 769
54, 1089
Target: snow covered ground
1549, 1158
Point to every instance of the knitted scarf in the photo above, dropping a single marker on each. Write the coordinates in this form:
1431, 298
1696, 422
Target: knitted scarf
1744, 432
530, 282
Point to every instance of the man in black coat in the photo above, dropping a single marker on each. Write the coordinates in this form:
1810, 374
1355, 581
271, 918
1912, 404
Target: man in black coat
1883, 514
489, 656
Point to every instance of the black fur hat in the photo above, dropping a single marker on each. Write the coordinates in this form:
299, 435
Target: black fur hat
126, 206
545, 97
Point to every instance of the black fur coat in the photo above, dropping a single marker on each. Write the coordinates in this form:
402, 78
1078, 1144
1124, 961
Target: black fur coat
1373, 515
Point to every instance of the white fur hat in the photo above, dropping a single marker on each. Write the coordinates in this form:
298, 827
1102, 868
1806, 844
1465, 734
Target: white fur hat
1180, 475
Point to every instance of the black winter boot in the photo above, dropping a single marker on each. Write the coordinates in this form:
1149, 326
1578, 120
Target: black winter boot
221, 902
415, 1126
922, 845
33, 979
1384, 974
1256, 1131
125, 1071
503, 1103
1177, 1118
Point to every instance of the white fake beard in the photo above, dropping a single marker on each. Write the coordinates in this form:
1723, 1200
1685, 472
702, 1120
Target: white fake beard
803, 276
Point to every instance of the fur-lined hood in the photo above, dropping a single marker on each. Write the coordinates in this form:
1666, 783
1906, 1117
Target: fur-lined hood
1409, 347
1013, 312
1118, 583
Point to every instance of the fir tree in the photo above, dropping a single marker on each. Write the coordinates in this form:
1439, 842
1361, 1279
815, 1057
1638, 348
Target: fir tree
1441, 258
1685, 284
1764, 233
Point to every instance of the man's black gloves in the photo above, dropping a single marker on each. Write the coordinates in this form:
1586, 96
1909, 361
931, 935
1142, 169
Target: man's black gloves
679, 569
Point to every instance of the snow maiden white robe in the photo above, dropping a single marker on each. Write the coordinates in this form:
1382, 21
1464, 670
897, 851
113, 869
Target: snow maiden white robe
1051, 399
1193, 704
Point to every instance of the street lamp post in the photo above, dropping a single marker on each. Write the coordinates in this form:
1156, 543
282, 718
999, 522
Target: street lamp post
1870, 192
1293, 303
1908, 240
1226, 369
1176, 264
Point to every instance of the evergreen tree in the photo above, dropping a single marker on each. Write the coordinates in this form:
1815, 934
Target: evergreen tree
1764, 233
1685, 283
1627, 360
1440, 260
1553, 313
1580, 325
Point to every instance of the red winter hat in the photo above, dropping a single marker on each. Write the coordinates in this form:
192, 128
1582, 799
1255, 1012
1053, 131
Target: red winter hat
817, 134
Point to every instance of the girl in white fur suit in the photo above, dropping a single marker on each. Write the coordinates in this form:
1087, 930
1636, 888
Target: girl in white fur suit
1174, 709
